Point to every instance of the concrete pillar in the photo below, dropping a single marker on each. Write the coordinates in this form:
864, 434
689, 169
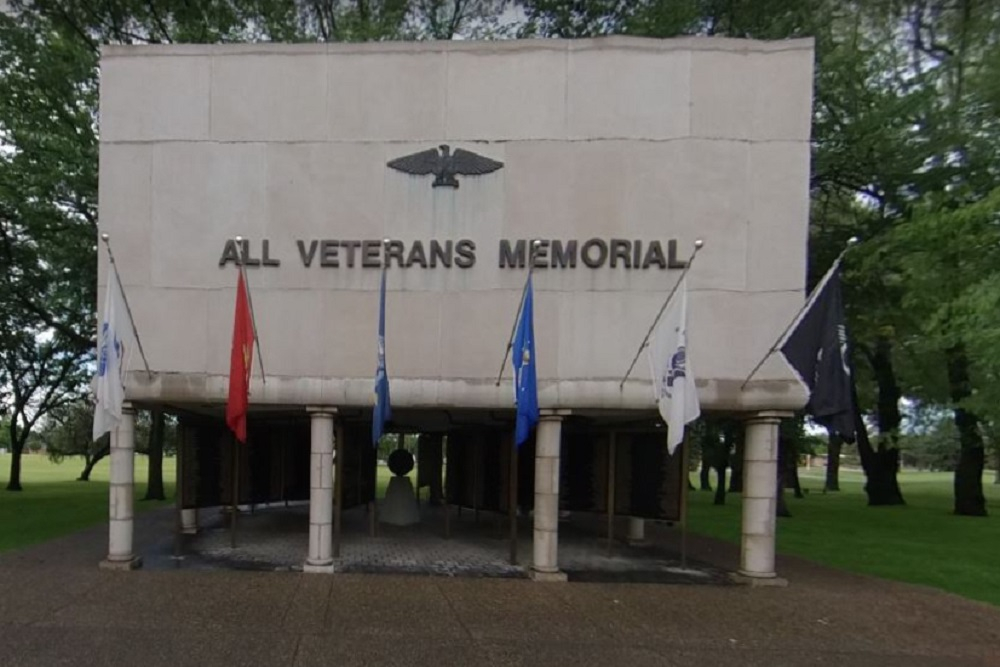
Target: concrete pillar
546, 533
636, 531
189, 521
121, 495
320, 557
760, 487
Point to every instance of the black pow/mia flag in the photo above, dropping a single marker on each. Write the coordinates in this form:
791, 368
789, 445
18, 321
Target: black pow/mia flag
816, 347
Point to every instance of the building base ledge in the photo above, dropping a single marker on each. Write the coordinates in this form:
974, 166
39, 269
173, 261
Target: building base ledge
758, 581
557, 577
133, 563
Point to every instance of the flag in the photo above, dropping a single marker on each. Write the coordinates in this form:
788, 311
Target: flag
240, 363
816, 348
673, 380
109, 382
383, 407
525, 378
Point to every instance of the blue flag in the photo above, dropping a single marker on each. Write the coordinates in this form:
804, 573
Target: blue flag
525, 379
383, 410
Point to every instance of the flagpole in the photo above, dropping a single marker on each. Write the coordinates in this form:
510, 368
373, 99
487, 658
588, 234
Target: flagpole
812, 297
253, 318
121, 288
520, 305
697, 246
685, 484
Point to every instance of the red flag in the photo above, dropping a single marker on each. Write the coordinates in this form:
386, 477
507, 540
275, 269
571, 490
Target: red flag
239, 365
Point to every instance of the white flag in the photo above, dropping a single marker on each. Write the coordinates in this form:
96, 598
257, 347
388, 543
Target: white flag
109, 386
673, 379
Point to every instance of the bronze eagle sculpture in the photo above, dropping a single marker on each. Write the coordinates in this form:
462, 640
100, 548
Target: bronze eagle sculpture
445, 165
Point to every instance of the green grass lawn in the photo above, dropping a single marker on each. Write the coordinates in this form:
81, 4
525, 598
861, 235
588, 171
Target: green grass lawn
53, 503
921, 542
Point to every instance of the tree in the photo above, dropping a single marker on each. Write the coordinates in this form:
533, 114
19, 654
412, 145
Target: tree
68, 431
834, 445
48, 156
48, 193
154, 488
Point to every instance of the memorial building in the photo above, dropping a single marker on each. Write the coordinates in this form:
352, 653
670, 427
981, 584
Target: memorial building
456, 167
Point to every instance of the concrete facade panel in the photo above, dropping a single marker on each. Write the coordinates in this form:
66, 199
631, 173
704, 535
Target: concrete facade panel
269, 98
155, 99
506, 96
412, 95
653, 102
621, 141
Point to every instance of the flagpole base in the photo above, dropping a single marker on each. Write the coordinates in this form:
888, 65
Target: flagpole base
318, 568
757, 581
556, 577
133, 563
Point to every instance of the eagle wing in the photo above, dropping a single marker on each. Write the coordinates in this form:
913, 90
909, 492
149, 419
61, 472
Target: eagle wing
468, 163
424, 162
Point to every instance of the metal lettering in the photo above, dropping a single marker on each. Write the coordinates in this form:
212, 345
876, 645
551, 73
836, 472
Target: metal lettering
417, 256
441, 253
266, 258
394, 250
621, 249
370, 254
672, 261
466, 251
512, 257
539, 253
247, 259
654, 255
307, 257
230, 254
350, 246
328, 253
563, 258
602, 253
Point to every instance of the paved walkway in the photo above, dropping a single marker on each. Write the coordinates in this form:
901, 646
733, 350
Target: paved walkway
57, 608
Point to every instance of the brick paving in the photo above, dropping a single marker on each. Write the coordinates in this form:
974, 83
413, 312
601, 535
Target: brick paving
57, 608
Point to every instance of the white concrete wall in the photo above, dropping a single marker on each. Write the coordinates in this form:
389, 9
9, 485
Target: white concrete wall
620, 137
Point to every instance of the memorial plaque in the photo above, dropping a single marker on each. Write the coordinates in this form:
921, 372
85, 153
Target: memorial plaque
359, 461
647, 477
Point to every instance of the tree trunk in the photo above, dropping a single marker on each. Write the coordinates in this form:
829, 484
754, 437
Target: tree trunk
91, 461
833, 462
728, 440
14, 484
969, 498
736, 476
720, 485
996, 463
792, 469
881, 467
154, 490
16, 448
781, 508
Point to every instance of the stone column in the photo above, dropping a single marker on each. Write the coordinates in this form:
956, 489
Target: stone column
121, 495
320, 557
546, 535
189, 521
760, 487
636, 531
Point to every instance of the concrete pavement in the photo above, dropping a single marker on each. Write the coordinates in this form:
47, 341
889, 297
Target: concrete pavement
58, 608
